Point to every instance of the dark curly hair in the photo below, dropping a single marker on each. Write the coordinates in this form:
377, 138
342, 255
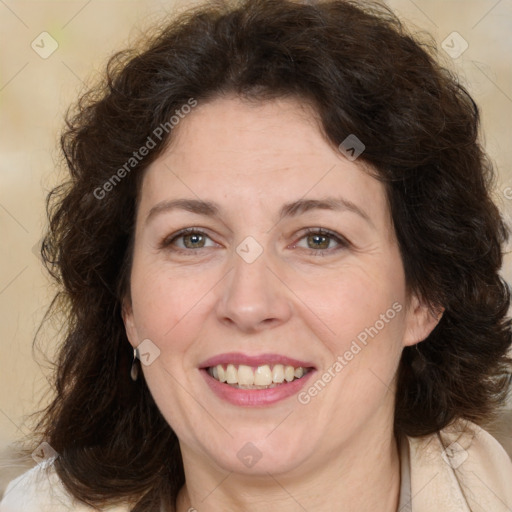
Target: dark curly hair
364, 74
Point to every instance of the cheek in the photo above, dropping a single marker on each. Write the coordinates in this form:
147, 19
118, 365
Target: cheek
365, 316
355, 301
165, 298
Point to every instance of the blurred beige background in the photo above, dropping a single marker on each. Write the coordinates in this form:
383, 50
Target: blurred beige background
37, 85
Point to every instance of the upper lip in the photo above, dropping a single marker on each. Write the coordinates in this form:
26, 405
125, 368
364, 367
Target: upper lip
254, 360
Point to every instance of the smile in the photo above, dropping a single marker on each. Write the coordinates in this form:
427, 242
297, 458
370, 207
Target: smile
255, 380
261, 377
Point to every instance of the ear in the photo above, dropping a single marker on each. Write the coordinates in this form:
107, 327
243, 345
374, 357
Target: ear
420, 321
129, 322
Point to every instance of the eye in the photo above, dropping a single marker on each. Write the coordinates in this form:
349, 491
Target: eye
319, 241
190, 238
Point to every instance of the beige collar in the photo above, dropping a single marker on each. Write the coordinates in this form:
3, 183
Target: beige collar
461, 469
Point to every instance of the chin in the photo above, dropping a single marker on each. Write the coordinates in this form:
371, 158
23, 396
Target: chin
260, 451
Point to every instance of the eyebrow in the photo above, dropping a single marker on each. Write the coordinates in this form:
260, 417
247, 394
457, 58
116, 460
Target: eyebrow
293, 209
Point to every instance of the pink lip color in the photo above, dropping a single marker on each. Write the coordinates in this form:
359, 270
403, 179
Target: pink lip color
255, 397
238, 358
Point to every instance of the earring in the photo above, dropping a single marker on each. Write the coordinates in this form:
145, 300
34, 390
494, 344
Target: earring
134, 372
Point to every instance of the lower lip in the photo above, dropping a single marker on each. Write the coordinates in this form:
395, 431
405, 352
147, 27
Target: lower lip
255, 397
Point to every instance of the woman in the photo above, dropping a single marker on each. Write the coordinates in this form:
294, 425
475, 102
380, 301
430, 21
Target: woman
213, 361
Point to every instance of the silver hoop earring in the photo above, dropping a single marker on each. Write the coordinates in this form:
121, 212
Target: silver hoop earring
134, 372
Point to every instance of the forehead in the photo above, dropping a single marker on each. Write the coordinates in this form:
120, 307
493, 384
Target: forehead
257, 155
247, 135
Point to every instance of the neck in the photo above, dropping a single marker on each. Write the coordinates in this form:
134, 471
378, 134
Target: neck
364, 475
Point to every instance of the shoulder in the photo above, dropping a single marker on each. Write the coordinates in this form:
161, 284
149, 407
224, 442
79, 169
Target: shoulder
461, 468
41, 490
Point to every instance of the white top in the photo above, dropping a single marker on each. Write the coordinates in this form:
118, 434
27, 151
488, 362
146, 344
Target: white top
461, 469
40, 490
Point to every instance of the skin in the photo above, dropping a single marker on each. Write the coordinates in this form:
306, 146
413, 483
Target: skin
250, 159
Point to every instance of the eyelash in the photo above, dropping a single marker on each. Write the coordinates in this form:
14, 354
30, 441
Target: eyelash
343, 243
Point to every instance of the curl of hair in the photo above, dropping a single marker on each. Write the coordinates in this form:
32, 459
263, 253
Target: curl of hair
364, 74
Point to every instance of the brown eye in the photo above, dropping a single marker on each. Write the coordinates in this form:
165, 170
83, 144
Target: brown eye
187, 239
193, 241
319, 241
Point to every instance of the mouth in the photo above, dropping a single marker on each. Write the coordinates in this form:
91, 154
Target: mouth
255, 380
261, 377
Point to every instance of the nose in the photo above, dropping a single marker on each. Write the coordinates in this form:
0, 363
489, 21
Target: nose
254, 297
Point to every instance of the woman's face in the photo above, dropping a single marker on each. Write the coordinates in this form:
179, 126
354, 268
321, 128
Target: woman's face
291, 261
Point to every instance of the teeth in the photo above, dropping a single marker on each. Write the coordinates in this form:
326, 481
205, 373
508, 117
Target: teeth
220, 372
278, 374
245, 375
263, 376
231, 374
